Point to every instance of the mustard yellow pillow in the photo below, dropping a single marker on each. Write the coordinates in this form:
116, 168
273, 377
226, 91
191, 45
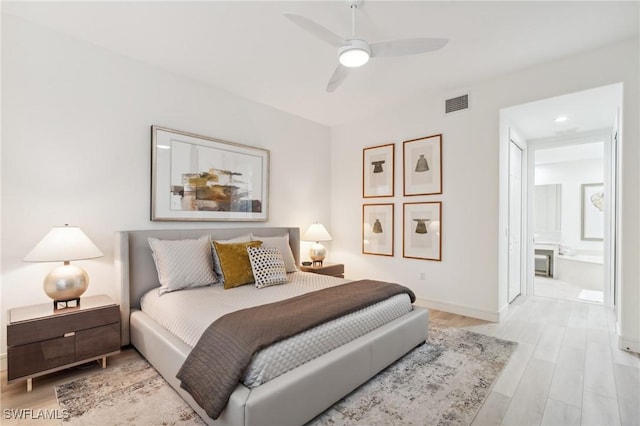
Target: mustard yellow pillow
235, 263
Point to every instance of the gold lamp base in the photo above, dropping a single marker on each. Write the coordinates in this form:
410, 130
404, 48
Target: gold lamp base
66, 283
317, 254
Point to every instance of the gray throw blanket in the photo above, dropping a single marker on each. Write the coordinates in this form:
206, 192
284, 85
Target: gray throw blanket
216, 364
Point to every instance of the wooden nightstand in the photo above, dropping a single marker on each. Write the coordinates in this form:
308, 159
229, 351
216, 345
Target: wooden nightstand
41, 341
333, 269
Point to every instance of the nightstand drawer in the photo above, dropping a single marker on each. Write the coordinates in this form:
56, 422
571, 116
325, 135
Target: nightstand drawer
57, 326
97, 341
35, 357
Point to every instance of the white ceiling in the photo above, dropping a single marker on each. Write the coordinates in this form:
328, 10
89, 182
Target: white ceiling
250, 49
585, 111
561, 154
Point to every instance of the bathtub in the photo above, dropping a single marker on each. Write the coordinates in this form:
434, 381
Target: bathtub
586, 271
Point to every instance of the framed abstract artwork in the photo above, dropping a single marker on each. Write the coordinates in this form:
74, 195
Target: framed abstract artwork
198, 178
378, 171
592, 217
422, 230
377, 229
422, 166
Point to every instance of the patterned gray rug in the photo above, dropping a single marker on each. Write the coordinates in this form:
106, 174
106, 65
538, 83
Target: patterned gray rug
131, 394
443, 382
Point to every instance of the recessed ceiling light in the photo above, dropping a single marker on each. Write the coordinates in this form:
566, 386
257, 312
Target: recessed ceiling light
560, 119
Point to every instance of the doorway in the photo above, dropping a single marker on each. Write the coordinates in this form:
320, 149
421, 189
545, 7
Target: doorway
568, 218
584, 118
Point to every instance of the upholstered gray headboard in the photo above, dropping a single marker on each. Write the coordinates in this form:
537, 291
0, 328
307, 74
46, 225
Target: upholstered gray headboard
136, 272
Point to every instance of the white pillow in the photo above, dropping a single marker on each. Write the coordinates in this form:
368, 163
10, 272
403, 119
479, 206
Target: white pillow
268, 266
217, 269
182, 263
282, 244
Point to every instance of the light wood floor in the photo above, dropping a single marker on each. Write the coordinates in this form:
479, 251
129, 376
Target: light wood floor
566, 370
558, 289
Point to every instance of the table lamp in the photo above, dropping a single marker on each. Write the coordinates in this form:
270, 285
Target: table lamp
67, 282
317, 232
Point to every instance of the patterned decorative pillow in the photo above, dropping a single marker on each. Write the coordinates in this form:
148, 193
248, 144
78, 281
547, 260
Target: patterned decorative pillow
282, 244
182, 263
234, 263
268, 266
214, 255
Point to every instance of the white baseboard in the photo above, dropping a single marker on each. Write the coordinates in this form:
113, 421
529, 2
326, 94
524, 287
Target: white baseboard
503, 312
461, 310
3, 362
631, 345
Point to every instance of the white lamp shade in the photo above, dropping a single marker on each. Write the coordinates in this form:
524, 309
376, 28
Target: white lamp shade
64, 243
316, 232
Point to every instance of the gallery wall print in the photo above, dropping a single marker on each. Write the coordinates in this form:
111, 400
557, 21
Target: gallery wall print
592, 228
422, 230
422, 166
198, 178
377, 229
378, 171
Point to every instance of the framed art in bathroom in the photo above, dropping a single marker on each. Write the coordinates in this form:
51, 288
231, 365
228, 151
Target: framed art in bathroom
592, 212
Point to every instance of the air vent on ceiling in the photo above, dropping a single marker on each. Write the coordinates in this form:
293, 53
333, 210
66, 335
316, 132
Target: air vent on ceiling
456, 104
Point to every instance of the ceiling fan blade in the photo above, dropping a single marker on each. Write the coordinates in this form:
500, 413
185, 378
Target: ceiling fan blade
410, 46
316, 29
337, 78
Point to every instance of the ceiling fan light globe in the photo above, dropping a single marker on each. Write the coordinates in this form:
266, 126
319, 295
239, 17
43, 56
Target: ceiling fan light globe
354, 57
355, 54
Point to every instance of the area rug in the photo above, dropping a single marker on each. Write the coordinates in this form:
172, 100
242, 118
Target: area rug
443, 382
131, 394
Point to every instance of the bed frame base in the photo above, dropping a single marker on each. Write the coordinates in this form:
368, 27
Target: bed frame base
305, 391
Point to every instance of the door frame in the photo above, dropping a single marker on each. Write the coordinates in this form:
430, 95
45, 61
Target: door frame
520, 143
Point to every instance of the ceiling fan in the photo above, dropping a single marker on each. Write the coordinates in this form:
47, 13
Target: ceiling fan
355, 52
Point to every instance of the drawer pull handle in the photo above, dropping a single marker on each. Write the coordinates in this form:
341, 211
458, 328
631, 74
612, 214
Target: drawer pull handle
73, 333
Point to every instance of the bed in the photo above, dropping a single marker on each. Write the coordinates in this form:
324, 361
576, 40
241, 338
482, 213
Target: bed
292, 398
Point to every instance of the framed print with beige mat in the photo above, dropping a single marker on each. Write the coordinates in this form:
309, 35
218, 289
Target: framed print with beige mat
378, 171
377, 229
422, 230
422, 166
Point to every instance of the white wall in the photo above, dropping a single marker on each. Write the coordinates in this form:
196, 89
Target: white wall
468, 279
76, 149
465, 281
571, 175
